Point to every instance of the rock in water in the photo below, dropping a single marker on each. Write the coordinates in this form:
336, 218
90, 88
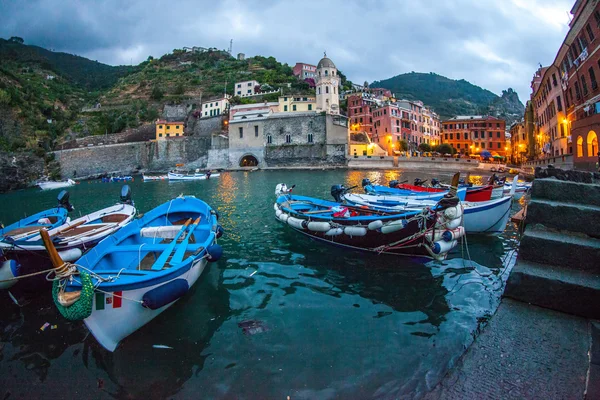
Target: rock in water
252, 327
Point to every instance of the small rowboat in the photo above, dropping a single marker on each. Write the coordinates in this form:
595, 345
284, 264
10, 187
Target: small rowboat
149, 178
71, 239
50, 185
174, 176
143, 269
383, 190
423, 234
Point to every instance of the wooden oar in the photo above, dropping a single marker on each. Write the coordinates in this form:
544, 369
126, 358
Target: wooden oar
69, 227
178, 256
316, 212
454, 184
160, 263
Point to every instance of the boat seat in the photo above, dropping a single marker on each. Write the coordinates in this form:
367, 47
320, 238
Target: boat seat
25, 229
114, 218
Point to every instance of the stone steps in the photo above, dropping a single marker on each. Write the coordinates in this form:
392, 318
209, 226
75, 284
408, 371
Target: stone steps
567, 192
564, 216
558, 288
565, 249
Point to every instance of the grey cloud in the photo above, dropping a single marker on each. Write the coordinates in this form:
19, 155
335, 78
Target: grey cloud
492, 44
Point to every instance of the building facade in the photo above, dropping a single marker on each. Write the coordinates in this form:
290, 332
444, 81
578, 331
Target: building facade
245, 88
304, 71
165, 129
299, 103
327, 87
473, 134
578, 62
215, 107
519, 143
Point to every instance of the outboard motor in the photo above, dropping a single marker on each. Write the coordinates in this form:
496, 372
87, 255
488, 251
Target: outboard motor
126, 195
418, 182
63, 201
337, 191
394, 183
366, 182
435, 182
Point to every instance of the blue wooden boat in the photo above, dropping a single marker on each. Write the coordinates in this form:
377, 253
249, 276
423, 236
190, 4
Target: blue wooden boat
424, 233
383, 190
140, 271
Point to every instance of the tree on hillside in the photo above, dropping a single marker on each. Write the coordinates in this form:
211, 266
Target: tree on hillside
16, 39
424, 147
179, 89
157, 93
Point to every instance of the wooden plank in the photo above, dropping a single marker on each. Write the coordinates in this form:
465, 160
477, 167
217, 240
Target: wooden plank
520, 215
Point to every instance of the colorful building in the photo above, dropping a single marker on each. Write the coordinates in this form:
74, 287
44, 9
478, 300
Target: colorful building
243, 111
245, 88
578, 64
304, 71
166, 129
297, 103
215, 107
519, 142
473, 134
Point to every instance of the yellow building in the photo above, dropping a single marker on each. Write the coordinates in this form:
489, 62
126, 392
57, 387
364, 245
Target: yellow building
166, 129
297, 103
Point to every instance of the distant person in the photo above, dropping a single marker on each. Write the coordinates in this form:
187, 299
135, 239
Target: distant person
208, 174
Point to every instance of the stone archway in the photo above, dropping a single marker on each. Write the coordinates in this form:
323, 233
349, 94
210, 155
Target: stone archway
592, 144
248, 161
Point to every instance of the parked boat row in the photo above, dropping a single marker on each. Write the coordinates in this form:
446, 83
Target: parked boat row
112, 271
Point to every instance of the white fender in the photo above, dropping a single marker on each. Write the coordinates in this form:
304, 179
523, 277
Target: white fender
453, 212
319, 226
275, 206
6, 272
334, 232
453, 234
295, 222
278, 212
375, 225
70, 255
43, 221
443, 247
393, 226
283, 217
434, 237
455, 223
355, 230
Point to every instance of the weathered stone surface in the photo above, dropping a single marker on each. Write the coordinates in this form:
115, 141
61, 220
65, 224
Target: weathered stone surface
558, 288
546, 246
204, 126
19, 170
525, 352
159, 156
565, 216
141, 134
566, 191
567, 175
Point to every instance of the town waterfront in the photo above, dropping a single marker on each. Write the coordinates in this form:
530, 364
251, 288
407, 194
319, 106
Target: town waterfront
279, 315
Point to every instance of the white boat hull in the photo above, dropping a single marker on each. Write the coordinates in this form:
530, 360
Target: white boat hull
195, 177
147, 178
50, 185
111, 325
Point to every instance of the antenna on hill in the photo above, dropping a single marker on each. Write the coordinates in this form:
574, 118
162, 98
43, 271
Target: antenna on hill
230, 46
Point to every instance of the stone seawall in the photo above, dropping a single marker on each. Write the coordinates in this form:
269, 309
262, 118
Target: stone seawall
131, 158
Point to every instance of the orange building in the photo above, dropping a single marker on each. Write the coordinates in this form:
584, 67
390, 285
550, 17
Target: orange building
166, 129
473, 134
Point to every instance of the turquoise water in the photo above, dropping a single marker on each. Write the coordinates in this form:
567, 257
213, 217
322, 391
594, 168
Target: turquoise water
325, 322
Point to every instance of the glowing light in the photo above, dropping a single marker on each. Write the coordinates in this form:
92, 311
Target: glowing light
565, 120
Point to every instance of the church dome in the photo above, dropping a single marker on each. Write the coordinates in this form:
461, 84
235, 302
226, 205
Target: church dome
325, 63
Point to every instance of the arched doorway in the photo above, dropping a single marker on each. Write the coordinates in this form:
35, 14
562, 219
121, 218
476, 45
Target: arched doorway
592, 144
248, 161
579, 146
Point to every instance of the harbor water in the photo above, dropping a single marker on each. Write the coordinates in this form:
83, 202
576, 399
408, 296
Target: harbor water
279, 315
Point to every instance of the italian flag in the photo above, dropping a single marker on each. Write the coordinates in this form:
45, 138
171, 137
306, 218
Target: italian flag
113, 300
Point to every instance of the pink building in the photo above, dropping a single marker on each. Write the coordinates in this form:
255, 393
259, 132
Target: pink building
381, 92
304, 71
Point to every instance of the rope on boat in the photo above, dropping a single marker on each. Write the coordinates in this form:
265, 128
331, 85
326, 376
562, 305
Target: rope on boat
16, 278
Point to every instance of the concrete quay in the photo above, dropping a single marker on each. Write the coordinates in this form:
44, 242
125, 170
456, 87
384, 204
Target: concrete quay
543, 342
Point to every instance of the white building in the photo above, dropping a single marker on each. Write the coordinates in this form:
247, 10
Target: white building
245, 88
215, 107
327, 87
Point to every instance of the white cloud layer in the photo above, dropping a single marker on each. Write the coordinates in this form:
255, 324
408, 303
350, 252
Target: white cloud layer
493, 44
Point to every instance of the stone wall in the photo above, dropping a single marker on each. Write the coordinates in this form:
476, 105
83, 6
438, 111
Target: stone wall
132, 158
204, 126
141, 134
19, 170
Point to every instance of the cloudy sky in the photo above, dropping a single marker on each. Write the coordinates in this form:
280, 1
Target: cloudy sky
495, 44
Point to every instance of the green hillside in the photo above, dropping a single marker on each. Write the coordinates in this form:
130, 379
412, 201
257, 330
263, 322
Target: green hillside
450, 97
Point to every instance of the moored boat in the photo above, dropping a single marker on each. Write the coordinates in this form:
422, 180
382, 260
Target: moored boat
149, 178
50, 185
419, 233
71, 239
175, 176
383, 190
139, 272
